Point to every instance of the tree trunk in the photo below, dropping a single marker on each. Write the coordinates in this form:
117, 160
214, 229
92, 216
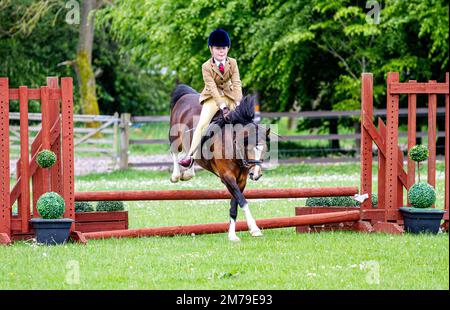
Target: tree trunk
83, 62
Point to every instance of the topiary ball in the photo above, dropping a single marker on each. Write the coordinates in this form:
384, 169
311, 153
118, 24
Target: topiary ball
418, 153
422, 195
46, 158
110, 206
83, 206
51, 206
343, 201
374, 200
318, 202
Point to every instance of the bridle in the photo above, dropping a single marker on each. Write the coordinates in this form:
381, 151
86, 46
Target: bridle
244, 162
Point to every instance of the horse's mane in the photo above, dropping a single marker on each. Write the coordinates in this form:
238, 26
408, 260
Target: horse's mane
245, 112
180, 91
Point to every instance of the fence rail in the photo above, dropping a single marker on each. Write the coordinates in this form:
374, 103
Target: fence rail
102, 139
112, 137
274, 115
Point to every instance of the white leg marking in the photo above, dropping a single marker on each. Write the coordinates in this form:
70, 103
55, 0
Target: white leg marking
252, 227
188, 174
176, 174
232, 231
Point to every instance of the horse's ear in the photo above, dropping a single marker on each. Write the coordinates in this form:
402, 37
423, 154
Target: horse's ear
268, 131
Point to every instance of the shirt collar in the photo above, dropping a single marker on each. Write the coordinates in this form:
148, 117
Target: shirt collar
218, 62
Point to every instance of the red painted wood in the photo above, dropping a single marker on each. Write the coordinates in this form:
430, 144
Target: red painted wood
391, 144
447, 148
215, 194
399, 183
37, 178
45, 112
5, 239
389, 228
34, 94
100, 226
35, 148
366, 141
24, 206
56, 170
5, 210
223, 227
382, 169
419, 88
412, 105
432, 102
68, 148
377, 137
82, 217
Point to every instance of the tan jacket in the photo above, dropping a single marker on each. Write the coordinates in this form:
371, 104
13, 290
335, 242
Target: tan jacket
216, 84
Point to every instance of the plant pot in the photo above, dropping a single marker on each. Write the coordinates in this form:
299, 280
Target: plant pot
417, 220
54, 231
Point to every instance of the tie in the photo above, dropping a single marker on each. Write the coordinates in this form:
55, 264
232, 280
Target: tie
221, 68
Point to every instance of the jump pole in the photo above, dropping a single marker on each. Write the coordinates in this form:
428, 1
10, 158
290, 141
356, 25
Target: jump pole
212, 228
215, 194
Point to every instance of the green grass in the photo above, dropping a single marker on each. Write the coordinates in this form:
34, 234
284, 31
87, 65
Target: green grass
281, 259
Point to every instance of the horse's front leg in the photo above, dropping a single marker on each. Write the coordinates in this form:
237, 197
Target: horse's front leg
239, 198
233, 215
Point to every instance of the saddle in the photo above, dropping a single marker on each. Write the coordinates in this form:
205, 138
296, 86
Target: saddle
217, 120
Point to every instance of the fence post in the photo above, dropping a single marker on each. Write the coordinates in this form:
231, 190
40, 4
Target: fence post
124, 139
115, 144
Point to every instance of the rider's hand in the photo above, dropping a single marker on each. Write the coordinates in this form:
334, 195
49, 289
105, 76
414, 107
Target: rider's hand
226, 113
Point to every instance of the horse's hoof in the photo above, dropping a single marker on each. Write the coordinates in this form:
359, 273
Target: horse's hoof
233, 238
186, 176
256, 233
174, 180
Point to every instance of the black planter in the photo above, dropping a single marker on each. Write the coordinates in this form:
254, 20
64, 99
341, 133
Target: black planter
55, 231
418, 220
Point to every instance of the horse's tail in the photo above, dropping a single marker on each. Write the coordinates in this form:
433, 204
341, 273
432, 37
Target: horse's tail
180, 91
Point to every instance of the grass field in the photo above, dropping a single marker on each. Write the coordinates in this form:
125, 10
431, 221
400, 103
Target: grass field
279, 260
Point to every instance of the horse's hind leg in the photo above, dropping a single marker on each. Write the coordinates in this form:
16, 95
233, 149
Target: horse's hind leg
176, 173
175, 149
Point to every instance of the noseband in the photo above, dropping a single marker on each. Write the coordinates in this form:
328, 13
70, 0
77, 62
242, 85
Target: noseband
244, 162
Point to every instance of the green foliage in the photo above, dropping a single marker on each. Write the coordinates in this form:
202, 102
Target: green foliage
422, 195
339, 201
34, 39
343, 201
110, 206
374, 200
418, 153
318, 202
302, 55
51, 206
83, 206
46, 159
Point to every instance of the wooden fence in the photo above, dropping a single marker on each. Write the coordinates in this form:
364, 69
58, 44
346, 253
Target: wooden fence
103, 139
127, 121
112, 138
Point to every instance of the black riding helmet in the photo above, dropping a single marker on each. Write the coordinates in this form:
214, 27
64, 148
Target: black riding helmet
219, 37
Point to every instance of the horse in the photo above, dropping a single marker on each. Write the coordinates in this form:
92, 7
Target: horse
247, 141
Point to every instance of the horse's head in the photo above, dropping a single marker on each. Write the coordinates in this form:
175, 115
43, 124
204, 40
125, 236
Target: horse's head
252, 140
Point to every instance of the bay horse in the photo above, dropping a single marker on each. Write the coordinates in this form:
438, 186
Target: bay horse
241, 136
